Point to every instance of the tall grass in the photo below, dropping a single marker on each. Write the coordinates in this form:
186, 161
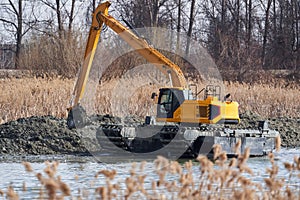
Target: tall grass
40, 96
31, 96
267, 100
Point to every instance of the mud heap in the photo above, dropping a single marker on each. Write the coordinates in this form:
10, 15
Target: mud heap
50, 135
289, 128
39, 135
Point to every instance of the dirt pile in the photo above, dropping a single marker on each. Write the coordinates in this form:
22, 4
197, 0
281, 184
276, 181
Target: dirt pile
50, 135
39, 135
289, 128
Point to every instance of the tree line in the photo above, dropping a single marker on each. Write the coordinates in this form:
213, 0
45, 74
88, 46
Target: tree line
241, 35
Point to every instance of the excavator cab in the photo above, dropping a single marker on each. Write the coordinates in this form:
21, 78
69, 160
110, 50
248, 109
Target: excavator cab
169, 100
180, 106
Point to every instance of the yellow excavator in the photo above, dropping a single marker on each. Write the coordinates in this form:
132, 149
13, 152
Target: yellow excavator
178, 110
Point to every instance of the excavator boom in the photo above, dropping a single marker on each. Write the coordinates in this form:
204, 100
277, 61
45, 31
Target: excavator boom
141, 46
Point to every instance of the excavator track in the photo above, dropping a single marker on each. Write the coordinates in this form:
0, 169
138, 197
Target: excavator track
182, 140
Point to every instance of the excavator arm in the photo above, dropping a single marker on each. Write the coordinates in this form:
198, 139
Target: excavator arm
152, 55
91, 46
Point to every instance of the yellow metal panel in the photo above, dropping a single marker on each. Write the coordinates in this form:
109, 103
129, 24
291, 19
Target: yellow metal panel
90, 50
190, 112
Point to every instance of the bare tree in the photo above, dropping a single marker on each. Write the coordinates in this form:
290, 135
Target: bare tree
65, 12
266, 30
56, 7
144, 13
12, 17
71, 15
190, 29
248, 5
91, 6
274, 16
178, 24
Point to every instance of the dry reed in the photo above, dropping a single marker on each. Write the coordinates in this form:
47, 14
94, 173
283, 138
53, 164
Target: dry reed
30, 96
265, 99
36, 96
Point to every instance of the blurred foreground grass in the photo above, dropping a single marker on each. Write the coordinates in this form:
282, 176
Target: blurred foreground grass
219, 178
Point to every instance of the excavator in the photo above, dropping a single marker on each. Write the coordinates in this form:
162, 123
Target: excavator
181, 119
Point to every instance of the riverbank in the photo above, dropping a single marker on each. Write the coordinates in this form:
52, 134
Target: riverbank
50, 135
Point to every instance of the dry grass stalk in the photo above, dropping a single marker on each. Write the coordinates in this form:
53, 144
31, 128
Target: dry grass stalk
297, 162
50, 96
221, 181
30, 96
217, 150
237, 147
288, 166
265, 99
27, 166
11, 194
108, 174
278, 143
24, 187
52, 184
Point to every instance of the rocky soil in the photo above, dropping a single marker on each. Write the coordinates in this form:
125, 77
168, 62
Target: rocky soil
10, 73
50, 135
39, 135
289, 128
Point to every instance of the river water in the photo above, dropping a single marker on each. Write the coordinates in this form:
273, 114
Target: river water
78, 172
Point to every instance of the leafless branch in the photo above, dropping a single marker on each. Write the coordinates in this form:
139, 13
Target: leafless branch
9, 22
13, 7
